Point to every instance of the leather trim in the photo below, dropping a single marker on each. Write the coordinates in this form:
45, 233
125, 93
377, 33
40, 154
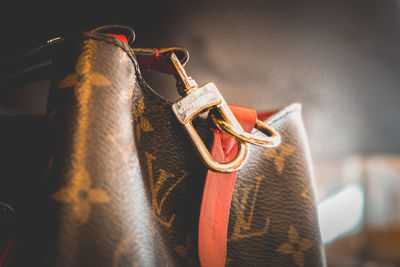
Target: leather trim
217, 195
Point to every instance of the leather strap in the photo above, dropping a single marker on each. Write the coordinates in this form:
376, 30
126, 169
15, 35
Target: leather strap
217, 195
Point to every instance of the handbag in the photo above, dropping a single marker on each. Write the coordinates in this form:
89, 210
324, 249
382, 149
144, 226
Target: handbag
115, 175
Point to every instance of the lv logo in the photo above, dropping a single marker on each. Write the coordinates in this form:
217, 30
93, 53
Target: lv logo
155, 187
243, 224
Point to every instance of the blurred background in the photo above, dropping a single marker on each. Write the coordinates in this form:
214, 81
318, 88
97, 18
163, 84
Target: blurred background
340, 59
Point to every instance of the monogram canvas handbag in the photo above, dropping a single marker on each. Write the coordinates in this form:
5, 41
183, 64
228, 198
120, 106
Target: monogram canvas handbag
112, 174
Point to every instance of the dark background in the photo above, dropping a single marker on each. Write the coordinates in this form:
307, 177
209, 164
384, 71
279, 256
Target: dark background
340, 59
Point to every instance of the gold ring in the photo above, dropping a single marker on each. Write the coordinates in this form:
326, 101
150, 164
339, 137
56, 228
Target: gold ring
271, 139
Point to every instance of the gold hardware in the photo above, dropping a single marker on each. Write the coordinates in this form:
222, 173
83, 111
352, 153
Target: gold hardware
185, 83
271, 139
200, 99
197, 100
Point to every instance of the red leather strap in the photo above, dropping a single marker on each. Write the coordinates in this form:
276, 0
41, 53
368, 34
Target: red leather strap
217, 194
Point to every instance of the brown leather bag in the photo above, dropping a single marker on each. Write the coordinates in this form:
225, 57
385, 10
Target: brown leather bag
108, 177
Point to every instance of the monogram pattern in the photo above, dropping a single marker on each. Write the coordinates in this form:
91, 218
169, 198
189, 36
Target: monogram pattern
279, 154
156, 186
256, 223
243, 224
142, 124
83, 78
296, 246
80, 194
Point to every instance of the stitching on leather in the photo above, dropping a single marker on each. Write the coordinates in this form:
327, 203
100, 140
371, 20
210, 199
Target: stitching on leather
118, 43
111, 40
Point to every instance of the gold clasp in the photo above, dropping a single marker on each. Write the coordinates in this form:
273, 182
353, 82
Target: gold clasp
200, 99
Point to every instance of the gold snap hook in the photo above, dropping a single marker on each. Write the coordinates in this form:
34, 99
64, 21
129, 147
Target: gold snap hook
200, 99
185, 84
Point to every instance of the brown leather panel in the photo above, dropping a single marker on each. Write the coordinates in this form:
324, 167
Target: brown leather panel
273, 214
103, 215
